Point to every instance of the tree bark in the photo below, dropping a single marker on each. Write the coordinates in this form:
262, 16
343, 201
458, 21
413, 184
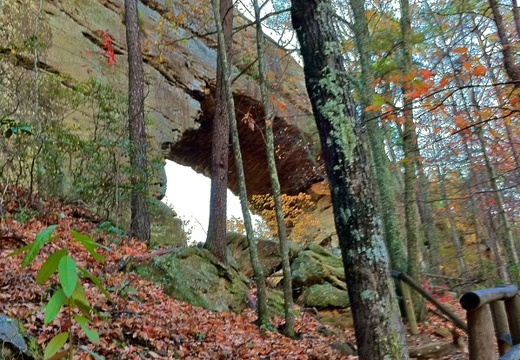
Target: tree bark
451, 221
516, 17
263, 318
275, 182
379, 330
140, 218
412, 221
383, 176
512, 68
216, 239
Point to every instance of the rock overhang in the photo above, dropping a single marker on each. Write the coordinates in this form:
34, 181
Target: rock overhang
180, 80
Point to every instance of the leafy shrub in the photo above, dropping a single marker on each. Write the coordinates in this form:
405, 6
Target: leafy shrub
70, 296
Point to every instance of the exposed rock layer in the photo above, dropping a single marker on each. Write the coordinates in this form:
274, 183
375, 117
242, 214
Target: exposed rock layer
180, 73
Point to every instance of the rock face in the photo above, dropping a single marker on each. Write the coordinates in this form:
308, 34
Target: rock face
180, 66
268, 252
195, 276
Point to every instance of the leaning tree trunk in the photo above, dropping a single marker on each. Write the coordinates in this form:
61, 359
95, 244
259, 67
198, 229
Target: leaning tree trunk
216, 239
511, 66
263, 318
140, 218
275, 182
379, 330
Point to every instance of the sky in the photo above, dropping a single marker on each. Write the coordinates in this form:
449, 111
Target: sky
187, 192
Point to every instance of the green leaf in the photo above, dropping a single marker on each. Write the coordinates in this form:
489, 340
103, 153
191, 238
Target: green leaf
41, 238
89, 244
97, 281
91, 334
94, 355
20, 250
50, 266
54, 305
80, 300
68, 275
55, 344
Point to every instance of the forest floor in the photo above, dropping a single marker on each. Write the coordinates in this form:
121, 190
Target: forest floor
140, 321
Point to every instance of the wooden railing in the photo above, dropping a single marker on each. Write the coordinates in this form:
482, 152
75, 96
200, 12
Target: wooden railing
493, 317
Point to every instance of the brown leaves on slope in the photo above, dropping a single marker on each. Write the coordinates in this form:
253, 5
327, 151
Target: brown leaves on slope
141, 322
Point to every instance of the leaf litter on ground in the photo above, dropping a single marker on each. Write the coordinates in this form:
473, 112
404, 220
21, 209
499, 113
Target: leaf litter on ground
141, 321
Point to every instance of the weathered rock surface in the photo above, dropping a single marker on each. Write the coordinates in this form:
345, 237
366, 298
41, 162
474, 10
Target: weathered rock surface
195, 276
14, 343
325, 296
268, 252
314, 266
180, 66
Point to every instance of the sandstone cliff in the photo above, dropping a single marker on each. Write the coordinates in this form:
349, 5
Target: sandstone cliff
180, 65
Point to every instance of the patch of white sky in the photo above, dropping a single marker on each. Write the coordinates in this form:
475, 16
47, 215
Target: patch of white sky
188, 192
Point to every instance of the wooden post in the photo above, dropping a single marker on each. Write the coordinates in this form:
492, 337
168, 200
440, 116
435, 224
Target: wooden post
498, 310
408, 308
480, 334
513, 315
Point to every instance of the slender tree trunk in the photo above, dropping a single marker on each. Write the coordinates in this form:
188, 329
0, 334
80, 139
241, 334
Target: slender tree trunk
263, 318
512, 68
499, 97
412, 221
451, 221
382, 172
496, 252
371, 119
216, 239
516, 17
489, 167
377, 323
505, 225
140, 219
426, 213
275, 182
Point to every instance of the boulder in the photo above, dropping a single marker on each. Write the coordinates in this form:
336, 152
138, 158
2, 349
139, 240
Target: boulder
325, 296
268, 252
195, 276
314, 266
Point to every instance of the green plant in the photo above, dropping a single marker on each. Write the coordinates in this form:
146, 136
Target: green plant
110, 229
70, 296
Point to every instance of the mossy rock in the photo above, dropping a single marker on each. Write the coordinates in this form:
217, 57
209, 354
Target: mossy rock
165, 227
268, 253
325, 296
315, 265
338, 318
195, 276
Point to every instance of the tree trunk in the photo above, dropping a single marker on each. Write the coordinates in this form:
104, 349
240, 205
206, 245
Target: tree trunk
505, 224
258, 271
379, 330
451, 221
516, 17
371, 119
140, 218
426, 213
216, 239
412, 222
512, 68
275, 182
